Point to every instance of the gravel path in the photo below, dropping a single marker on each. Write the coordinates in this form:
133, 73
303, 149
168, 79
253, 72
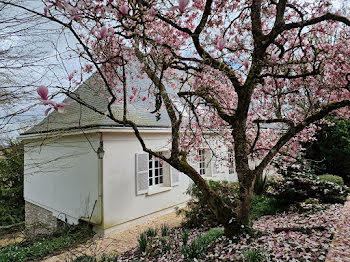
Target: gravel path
118, 243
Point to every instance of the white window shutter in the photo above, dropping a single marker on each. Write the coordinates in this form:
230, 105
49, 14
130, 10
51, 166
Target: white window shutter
174, 177
141, 173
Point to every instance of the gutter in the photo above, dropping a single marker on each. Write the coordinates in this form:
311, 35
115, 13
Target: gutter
98, 129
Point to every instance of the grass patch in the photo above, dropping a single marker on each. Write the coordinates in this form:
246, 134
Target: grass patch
200, 245
254, 255
41, 247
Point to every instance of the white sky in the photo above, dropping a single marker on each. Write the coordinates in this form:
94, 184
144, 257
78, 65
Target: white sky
49, 68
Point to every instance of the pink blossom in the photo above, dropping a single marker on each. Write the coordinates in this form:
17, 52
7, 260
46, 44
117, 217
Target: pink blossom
103, 32
110, 31
44, 98
88, 68
152, 12
221, 43
182, 6
47, 111
124, 9
43, 92
70, 77
61, 108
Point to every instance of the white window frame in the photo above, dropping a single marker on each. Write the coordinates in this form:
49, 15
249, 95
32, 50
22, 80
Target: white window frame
201, 162
231, 160
152, 178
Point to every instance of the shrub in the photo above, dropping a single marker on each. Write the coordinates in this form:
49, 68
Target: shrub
198, 213
11, 184
330, 152
254, 255
298, 186
331, 178
199, 246
264, 205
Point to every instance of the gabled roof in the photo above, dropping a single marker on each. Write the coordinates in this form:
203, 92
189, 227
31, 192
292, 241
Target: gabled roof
80, 117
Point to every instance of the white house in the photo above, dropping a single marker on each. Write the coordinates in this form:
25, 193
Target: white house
83, 166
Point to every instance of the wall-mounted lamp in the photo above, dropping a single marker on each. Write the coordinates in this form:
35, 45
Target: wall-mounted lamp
100, 152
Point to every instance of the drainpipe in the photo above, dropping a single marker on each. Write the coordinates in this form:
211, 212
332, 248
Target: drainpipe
100, 153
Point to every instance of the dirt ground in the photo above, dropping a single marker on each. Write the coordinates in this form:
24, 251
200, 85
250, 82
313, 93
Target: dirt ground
117, 243
11, 238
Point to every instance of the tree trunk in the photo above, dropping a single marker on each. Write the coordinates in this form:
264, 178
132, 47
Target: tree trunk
246, 191
224, 214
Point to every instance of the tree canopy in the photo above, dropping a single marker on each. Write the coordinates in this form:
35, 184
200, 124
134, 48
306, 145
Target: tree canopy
259, 73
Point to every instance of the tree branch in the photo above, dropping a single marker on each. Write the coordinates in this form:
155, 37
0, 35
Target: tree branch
296, 129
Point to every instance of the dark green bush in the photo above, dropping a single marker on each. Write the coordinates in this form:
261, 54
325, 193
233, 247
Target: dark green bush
199, 246
264, 205
331, 178
198, 213
330, 152
11, 184
297, 186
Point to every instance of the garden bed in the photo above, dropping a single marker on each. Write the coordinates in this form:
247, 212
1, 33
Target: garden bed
282, 237
41, 246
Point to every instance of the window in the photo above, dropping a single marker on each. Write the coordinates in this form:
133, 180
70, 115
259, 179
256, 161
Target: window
155, 171
231, 160
201, 154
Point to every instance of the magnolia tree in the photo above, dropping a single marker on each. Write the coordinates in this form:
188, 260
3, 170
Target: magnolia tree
258, 73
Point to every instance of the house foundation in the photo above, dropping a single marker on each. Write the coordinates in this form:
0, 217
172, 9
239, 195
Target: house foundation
39, 220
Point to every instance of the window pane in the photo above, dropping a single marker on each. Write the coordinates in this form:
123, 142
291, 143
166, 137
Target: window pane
150, 173
161, 179
156, 181
150, 182
156, 172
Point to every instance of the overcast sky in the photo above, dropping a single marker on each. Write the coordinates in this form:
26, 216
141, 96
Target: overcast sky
49, 60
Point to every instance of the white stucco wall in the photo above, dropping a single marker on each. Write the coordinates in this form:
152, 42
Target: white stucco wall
121, 203
61, 175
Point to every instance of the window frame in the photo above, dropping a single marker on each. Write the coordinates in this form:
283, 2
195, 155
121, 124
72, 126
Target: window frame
201, 162
155, 164
231, 160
